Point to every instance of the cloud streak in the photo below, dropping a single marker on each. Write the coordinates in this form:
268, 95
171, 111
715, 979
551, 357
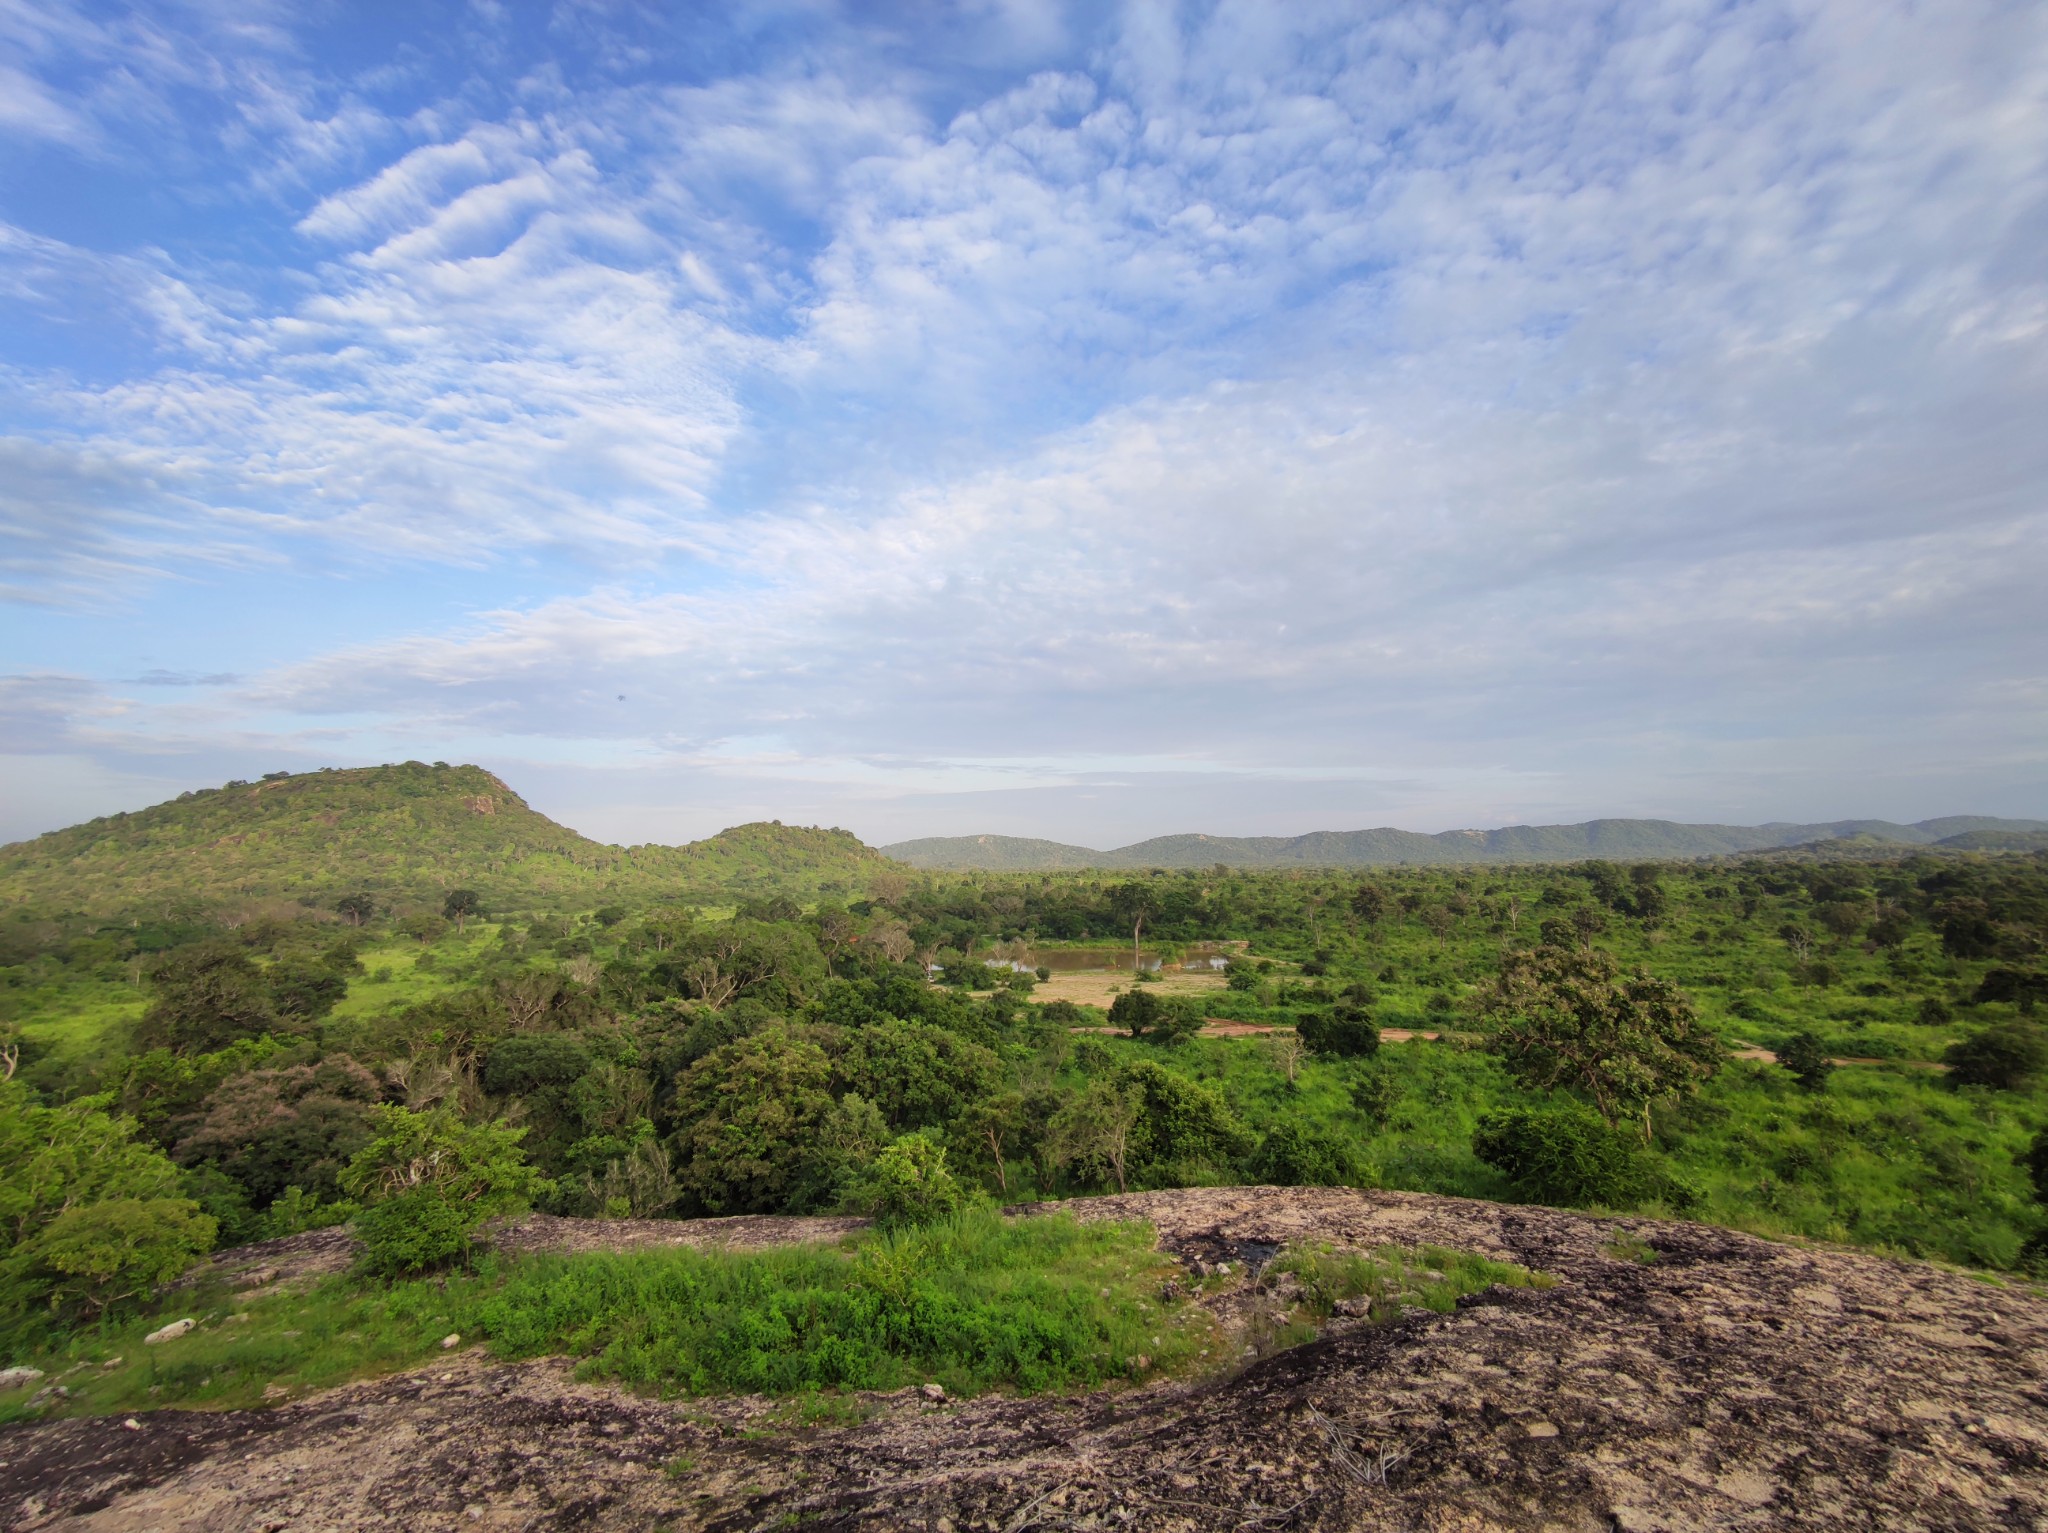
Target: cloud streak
1637, 408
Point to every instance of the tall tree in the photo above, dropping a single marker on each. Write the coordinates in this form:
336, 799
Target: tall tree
1370, 901
460, 905
1136, 903
1573, 1020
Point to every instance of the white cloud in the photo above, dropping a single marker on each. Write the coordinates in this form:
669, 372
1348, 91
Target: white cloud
1657, 392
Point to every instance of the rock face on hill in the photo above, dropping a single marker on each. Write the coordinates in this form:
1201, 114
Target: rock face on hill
1727, 1383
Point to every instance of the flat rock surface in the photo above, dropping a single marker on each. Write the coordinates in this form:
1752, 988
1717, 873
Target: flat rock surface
1730, 1383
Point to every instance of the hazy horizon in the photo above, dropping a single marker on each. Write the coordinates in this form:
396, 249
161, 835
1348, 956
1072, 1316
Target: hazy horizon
1079, 422
882, 839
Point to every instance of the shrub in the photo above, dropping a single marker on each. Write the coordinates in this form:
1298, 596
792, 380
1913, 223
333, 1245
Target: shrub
1565, 1156
1294, 1156
1345, 1032
477, 1165
1373, 1096
413, 1232
1181, 1121
906, 1184
1807, 1058
2005, 1057
297, 1211
104, 1252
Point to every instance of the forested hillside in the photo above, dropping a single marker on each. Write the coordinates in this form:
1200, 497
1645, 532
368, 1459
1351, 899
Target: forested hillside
403, 832
1628, 839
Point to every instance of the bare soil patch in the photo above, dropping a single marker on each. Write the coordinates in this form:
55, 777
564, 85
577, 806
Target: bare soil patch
1728, 1383
1100, 987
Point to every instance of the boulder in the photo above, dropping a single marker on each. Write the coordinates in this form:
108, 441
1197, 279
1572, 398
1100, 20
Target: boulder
169, 1332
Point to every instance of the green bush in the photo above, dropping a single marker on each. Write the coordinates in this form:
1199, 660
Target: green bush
1294, 1156
1565, 1156
413, 1232
1807, 1058
906, 1184
476, 1165
1345, 1032
297, 1211
2006, 1057
102, 1253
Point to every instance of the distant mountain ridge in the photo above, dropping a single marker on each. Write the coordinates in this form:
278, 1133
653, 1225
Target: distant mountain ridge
408, 831
1515, 843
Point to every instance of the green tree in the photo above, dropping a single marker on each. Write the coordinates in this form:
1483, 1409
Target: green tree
2007, 1056
121, 1248
1145, 1015
1966, 929
1574, 1020
1807, 1058
1135, 903
272, 1129
1293, 1155
1370, 903
1346, 1031
415, 1231
424, 929
1182, 1123
304, 990
1373, 1094
1843, 919
356, 908
988, 1131
920, 1076
60, 1163
1891, 928
460, 905
206, 997
1092, 1132
478, 1167
751, 1111
2035, 1160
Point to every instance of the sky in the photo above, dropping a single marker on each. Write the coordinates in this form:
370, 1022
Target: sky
1084, 421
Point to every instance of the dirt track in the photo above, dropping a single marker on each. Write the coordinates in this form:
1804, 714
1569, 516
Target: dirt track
1731, 1383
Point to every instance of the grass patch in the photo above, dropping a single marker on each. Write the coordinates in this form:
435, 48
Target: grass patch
1625, 1247
1389, 1279
975, 1304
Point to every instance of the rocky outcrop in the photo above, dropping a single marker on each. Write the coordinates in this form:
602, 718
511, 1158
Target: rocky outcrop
1728, 1382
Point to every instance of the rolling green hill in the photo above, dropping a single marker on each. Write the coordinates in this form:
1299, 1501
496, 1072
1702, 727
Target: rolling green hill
408, 831
995, 854
1516, 843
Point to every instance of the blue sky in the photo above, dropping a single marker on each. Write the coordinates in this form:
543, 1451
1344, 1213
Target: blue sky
1082, 421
